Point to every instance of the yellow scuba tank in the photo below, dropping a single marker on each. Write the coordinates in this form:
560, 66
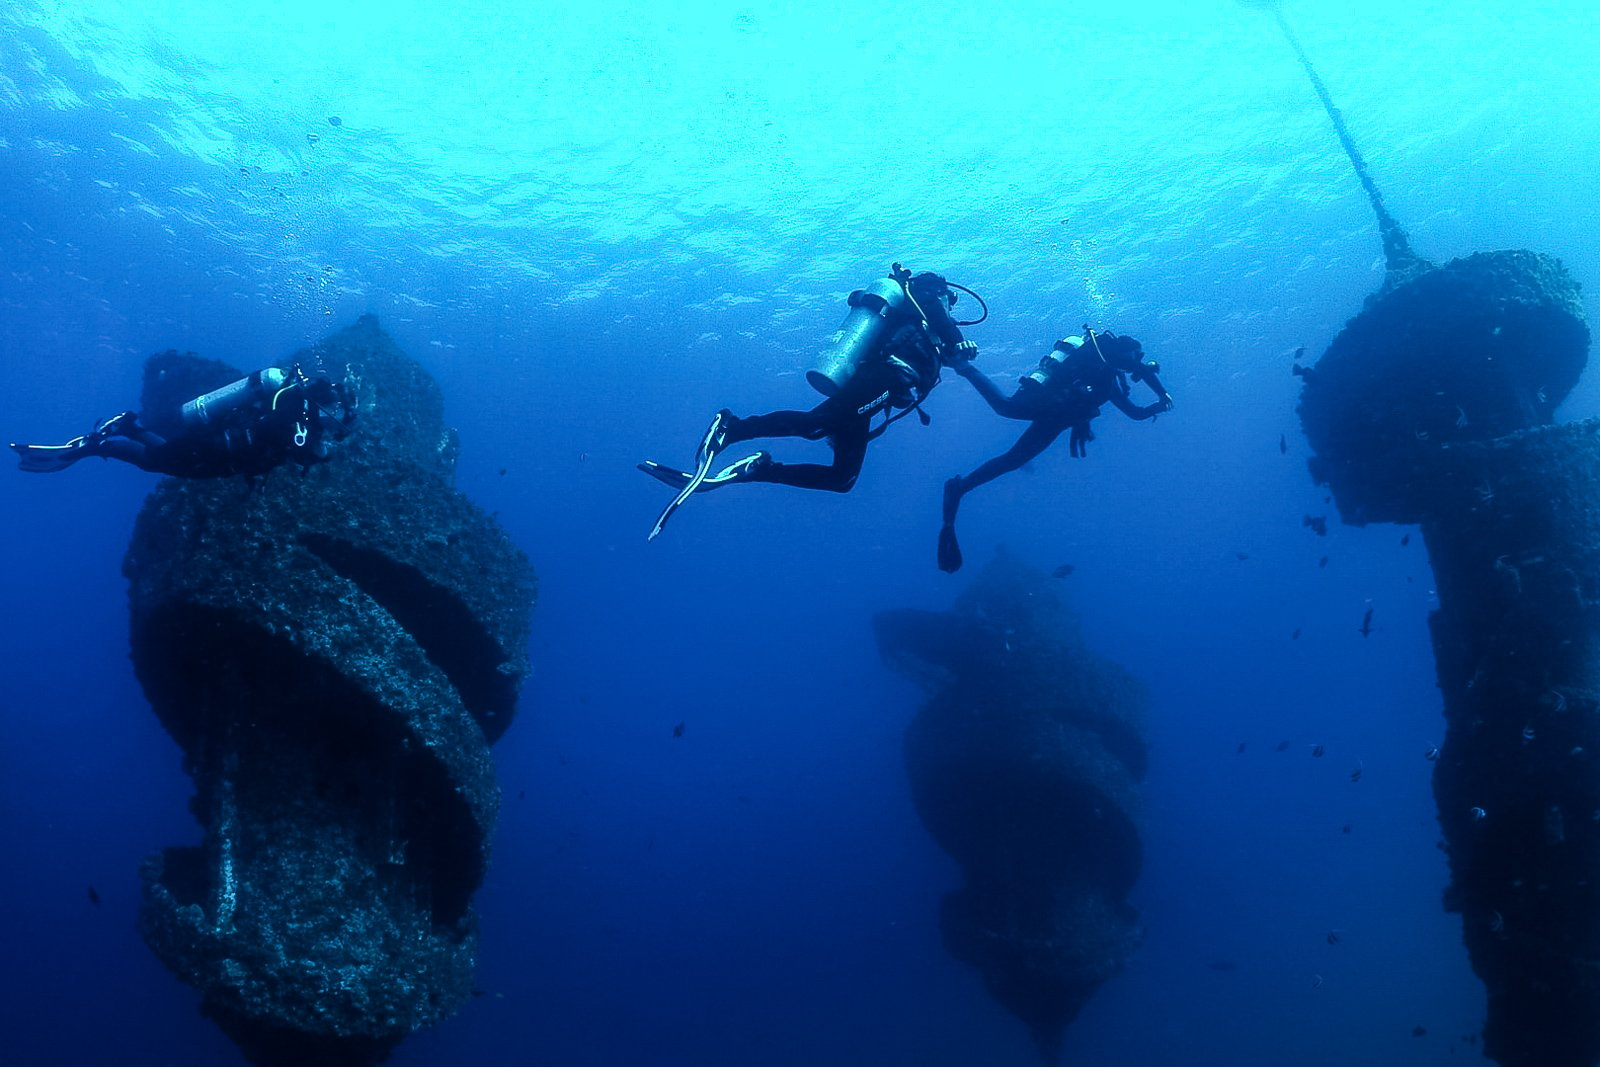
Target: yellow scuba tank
217, 404
874, 312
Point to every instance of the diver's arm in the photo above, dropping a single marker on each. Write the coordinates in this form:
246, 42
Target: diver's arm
1125, 404
1004, 406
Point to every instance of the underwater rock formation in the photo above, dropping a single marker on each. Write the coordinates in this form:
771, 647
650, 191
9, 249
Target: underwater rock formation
1476, 349
1431, 407
1025, 766
334, 650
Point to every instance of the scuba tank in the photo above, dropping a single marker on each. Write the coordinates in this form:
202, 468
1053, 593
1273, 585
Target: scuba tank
219, 403
1058, 366
874, 311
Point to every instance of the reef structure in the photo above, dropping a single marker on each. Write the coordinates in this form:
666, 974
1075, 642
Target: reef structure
1025, 766
334, 650
1433, 406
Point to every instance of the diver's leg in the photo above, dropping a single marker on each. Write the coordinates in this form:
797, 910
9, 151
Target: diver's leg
100, 441
847, 439
128, 450
811, 424
1034, 440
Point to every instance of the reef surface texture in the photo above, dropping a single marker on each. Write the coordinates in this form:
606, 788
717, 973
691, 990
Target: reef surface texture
1025, 766
1432, 407
334, 649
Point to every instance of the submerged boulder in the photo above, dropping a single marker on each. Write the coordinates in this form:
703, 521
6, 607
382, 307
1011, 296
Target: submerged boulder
334, 649
1025, 766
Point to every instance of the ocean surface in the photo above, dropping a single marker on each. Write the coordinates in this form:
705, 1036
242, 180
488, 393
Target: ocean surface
596, 224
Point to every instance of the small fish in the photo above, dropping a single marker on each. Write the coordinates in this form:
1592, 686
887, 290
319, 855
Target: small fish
1366, 624
522, 794
677, 731
1432, 754
1333, 937
1355, 775
1419, 1031
1223, 966
1323, 562
1318, 524
1406, 540
1300, 352
1527, 734
1241, 555
1283, 746
1241, 747
1478, 815
502, 472
1497, 924
1316, 981
94, 896
335, 120
1345, 828
1317, 750
1283, 444
1062, 571
1296, 635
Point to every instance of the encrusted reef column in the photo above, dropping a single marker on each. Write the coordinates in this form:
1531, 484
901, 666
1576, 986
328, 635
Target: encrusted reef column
1025, 766
334, 650
1431, 407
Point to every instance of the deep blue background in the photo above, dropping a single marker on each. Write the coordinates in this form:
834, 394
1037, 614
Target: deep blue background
595, 228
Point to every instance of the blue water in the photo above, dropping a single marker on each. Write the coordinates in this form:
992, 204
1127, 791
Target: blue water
597, 224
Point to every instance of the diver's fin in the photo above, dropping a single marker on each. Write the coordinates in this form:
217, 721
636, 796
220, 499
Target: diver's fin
949, 549
666, 475
716, 438
714, 441
707, 457
737, 471
47, 459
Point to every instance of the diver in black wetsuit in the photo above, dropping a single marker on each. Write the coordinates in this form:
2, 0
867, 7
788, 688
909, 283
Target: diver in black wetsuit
1064, 393
249, 427
884, 359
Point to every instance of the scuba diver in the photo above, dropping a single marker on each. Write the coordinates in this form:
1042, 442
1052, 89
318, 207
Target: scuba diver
884, 359
247, 427
1065, 392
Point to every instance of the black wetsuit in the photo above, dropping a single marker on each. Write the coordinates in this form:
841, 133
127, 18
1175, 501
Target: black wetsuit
879, 386
1069, 398
1052, 409
251, 440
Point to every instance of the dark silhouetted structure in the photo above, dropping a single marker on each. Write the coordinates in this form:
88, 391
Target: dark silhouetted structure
1025, 766
334, 649
1432, 406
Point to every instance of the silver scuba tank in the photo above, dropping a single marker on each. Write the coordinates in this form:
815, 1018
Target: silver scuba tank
873, 312
1050, 363
206, 409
